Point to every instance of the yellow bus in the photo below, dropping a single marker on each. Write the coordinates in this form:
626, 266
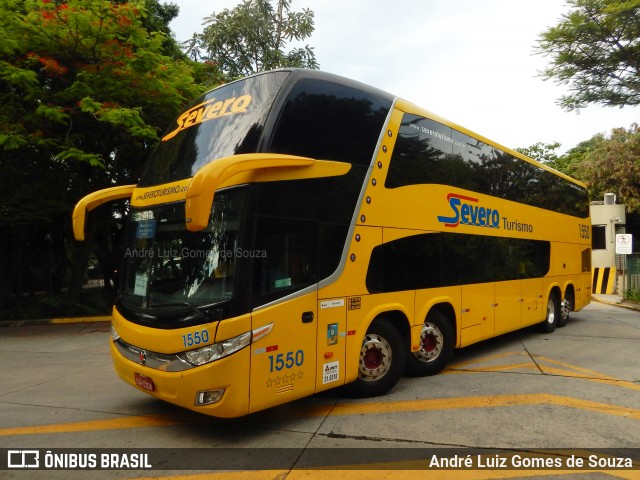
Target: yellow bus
295, 231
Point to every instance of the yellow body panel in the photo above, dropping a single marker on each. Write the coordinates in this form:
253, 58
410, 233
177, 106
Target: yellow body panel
533, 303
426, 300
283, 363
508, 306
332, 342
478, 310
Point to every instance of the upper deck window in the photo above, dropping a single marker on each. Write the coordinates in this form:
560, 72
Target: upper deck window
330, 121
428, 152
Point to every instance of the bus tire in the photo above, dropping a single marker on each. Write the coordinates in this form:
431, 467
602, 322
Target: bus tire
436, 346
381, 361
566, 306
549, 324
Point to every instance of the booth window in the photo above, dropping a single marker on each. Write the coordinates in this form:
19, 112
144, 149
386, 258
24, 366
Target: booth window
599, 237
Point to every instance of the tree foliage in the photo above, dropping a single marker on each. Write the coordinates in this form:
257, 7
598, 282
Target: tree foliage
612, 164
606, 163
571, 162
85, 90
542, 152
253, 37
595, 49
85, 79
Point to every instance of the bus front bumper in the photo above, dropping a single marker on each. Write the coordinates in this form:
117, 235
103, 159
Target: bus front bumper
220, 388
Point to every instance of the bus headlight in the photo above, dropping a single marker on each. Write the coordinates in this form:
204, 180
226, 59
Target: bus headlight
211, 353
114, 333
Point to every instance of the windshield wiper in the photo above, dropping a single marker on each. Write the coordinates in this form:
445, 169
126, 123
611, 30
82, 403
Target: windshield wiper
199, 311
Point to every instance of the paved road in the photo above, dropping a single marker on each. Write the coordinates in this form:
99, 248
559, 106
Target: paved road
578, 389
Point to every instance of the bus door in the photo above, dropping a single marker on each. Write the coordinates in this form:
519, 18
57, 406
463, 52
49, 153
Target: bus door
332, 341
283, 362
283, 358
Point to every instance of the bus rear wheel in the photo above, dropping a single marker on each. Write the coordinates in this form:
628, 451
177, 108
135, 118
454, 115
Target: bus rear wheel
549, 324
566, 306
382, 360
436, 346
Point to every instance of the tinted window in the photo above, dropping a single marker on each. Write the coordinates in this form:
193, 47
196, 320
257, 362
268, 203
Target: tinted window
446, 259
226, 121
329, 121
598, 237
429, 152
301, 226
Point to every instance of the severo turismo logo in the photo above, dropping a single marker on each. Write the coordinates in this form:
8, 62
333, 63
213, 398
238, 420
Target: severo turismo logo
468, 211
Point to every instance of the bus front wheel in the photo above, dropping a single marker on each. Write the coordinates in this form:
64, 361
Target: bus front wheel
382, 360
436, 346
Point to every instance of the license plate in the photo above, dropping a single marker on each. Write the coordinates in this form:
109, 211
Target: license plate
144, 382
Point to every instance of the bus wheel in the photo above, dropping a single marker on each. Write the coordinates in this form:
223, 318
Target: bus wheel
436, 346
565, 309
548, 325
382, 360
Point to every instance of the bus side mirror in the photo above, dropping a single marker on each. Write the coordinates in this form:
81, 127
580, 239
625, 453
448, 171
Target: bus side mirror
210, 177
94, 200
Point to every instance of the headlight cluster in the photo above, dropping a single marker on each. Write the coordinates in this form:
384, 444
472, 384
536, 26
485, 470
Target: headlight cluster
216, 351
114, 333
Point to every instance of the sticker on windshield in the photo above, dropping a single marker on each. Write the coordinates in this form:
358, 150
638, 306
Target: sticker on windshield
209, 110
284, 282
146, 229
140, 287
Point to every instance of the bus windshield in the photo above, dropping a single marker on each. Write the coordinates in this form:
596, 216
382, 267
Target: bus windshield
166, 266
226, 121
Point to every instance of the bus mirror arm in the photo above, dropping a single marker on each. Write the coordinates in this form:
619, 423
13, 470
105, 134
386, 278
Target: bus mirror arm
94, 200
209, 178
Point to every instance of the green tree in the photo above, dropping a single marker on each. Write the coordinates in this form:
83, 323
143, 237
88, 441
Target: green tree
253, 37
542, 152
595, 49
85, 90
612, 164
571, 163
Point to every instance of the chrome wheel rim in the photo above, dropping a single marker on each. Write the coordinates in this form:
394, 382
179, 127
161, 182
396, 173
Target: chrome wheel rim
431, 343
565, 308
375, 358
551, 311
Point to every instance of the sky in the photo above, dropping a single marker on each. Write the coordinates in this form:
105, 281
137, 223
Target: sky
472, 62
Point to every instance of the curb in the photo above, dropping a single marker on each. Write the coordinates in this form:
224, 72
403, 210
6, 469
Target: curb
628, 306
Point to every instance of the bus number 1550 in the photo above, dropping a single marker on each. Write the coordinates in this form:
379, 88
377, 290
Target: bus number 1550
279, 361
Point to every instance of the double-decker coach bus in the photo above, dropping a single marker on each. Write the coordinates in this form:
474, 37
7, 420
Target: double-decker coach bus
295, 231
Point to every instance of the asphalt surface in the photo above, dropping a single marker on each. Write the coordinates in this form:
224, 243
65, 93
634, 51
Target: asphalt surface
574, 392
